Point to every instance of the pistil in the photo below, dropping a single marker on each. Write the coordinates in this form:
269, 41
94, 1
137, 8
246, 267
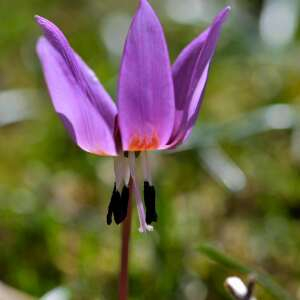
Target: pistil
144, 227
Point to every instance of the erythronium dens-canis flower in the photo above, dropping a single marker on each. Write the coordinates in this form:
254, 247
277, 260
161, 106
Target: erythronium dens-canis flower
157, 104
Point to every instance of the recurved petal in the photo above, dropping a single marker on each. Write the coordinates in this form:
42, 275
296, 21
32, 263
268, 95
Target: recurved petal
190, 72
145, 91
85, 108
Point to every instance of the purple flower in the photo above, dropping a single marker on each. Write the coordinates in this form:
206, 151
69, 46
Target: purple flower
157, 105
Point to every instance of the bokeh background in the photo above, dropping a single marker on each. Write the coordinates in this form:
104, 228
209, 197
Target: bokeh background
229, 200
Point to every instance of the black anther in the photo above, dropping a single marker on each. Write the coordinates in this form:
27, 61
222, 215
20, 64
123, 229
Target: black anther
149, 199
118, 206
114, 207
124, 202
111, 207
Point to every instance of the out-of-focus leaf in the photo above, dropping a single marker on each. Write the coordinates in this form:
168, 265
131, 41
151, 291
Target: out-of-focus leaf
222, 259
222, 168
262, 278
17, 105
272, 117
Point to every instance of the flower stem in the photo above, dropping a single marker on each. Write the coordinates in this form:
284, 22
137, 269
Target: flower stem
126, 228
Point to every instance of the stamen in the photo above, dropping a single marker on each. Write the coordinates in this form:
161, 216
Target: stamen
124, 202
109, 214
122, 172
114, 208
149, 190
146, 167
119, 201
141, 212
119, 173
149, 198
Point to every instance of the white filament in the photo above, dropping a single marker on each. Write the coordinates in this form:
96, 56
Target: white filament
122, 175
146, 167
140, 207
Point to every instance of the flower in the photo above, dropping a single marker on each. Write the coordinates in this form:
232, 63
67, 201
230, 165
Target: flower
157, 105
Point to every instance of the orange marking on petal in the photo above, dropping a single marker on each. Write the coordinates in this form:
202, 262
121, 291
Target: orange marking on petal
143, 143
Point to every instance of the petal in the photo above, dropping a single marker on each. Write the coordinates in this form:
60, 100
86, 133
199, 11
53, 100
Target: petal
85, 108
190, 72
145, 91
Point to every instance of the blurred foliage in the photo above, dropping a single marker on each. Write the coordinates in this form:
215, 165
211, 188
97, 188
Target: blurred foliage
229, 263
53, 197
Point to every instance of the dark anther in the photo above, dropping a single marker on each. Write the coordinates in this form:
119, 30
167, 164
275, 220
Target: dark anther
124, 202
110, 209
114, 207
109, 214
149, 198
118, 206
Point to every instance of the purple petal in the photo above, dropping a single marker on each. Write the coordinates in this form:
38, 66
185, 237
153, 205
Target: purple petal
190, 72
145, 92
85, 108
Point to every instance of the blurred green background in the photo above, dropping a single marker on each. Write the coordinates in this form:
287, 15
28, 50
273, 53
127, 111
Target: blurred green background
235, 186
